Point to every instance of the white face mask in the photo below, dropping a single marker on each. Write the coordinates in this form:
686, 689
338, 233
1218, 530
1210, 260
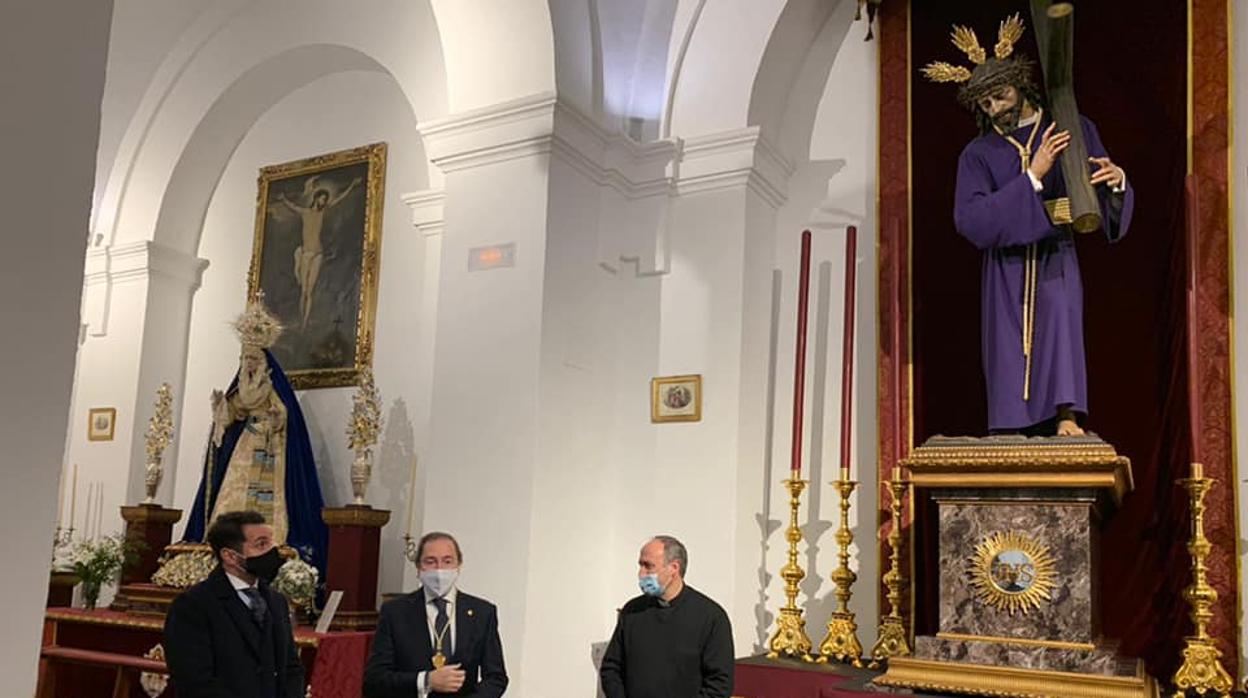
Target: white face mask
439, 582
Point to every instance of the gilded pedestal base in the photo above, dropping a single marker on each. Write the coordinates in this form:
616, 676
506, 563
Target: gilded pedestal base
1010, 682
1202, 670
841, 642
790, 638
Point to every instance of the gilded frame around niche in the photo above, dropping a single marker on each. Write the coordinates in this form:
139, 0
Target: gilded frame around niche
316, 256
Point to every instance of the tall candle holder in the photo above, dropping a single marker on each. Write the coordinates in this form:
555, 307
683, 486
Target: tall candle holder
893, 641
1202, 669
790, 638
841, 643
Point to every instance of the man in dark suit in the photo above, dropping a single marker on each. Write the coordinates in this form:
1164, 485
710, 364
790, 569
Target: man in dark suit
436, 640
229, 636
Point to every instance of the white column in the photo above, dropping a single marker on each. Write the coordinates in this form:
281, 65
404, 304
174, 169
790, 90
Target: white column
427, 209
53, 80
140, 294
483, 444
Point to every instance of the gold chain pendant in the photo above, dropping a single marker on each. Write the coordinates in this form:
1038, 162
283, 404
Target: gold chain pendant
439, 660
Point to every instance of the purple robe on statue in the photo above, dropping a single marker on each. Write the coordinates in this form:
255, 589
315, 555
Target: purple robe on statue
1001, 213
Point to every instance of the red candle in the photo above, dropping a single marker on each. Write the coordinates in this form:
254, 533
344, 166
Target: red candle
847, 350
1193, 226
899, 363
799, 365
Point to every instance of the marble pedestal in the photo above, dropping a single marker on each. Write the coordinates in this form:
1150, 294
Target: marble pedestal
1018, 575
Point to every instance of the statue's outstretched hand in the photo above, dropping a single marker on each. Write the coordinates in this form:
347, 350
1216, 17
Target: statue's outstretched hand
1107, 173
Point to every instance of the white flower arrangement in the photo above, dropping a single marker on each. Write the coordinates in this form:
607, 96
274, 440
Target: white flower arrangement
98, 561
297, 581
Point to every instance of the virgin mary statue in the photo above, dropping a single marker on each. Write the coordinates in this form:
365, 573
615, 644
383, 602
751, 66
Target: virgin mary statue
259, 456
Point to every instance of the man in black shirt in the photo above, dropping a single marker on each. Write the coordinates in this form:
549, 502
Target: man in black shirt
672, 641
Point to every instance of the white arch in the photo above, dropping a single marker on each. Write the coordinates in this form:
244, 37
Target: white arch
236, 62
495, 50
742, 62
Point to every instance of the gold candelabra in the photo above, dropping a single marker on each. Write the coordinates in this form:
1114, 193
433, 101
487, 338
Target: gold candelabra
892, 641
790, 639
841, 642
1202, 667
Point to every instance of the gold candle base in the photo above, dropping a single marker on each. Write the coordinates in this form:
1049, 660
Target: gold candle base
1202, 669
790, 639
841, 643
893, 640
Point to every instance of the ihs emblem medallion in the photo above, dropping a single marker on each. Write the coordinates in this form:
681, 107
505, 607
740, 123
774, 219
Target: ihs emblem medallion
1012, 572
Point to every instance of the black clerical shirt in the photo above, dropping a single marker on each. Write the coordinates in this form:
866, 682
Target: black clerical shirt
677, 650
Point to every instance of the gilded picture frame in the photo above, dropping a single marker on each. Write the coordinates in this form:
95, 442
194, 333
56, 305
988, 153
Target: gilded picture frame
316, 257
101, 423
676, 398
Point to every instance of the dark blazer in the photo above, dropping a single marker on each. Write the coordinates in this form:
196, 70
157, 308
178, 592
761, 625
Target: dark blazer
402, 648
215, 650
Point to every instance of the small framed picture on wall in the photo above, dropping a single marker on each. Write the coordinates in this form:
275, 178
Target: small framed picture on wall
676, 399
100, 423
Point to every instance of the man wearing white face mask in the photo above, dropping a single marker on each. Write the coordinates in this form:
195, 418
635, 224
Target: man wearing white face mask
672, 641
436, 640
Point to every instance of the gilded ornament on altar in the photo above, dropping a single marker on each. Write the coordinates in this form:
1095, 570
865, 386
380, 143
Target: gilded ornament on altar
1012, 572
362, 432
184, 566
159, 435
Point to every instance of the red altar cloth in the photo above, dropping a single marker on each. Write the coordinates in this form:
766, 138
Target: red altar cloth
333, 662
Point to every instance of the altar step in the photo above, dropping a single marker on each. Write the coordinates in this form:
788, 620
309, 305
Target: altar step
760, 677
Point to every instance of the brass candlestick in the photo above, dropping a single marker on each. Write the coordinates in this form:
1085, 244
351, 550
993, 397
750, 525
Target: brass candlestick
790, 639
1202, 667
892, 641
841, 642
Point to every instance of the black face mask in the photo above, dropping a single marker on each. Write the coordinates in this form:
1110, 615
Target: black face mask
265, 566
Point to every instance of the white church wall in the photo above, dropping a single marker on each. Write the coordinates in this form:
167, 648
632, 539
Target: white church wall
598, 352
1239, 236
336, 112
